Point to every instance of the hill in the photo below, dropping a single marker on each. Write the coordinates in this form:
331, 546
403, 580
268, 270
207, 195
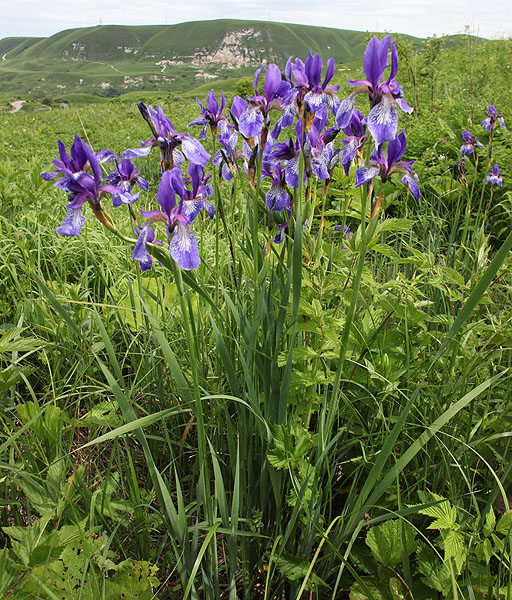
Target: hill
109, 60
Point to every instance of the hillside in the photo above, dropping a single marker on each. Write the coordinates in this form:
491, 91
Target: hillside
112, 59
109, 60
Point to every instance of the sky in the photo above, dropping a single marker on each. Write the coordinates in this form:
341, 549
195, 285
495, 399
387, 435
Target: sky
421, 18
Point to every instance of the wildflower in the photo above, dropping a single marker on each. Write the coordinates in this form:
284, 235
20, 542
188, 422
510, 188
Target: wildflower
356, 137
281, 233
469, 143
168, 140
212, 115
289, 152
196, 199
307, 77
125, 177
492, 118
277, 197
382, 120
225, 157
79, 160
144, 257
385, 166
345, 235
255, 118
183, 245
494, 178
80, 185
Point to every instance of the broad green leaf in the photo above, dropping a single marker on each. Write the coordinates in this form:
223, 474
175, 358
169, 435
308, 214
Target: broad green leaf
444, 514
384, 541
490, 522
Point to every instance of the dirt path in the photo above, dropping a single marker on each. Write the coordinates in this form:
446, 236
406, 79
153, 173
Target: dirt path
16, 105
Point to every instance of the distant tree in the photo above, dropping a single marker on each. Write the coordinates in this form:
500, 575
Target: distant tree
244, 87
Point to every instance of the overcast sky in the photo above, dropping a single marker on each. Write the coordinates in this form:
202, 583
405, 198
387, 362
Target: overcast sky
488, 18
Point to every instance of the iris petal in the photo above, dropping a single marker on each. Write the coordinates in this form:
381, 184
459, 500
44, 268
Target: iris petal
73, 221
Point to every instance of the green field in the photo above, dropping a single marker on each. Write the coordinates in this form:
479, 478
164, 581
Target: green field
328, 417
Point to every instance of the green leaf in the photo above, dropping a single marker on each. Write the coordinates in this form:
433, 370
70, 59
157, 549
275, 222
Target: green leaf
436, 573
370, 588
490, 522
455, 548
295, 568
505, 523
8, 573
385, 542
444, 513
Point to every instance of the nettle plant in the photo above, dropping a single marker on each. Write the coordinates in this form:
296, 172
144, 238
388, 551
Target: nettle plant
268, 306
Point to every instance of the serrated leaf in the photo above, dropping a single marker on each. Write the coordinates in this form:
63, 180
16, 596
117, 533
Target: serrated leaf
370, 588
504, 525
295, 569
455, 548
490, 522
277, 459
435, 572
444, 514
385, 542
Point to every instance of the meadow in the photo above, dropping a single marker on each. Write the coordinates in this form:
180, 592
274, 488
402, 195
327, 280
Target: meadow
319, 407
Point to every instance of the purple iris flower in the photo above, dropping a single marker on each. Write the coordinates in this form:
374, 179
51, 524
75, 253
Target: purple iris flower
309, 87
168, 140
277, 197
492, 118
289, 152
469, 143
196, 199
346, 233
210, 116
79, 160
494, 178
255, 118
146, 260
356, 137
281, 233
225, 157
80, 185
183, 245
382, 120
125, 177
385, 166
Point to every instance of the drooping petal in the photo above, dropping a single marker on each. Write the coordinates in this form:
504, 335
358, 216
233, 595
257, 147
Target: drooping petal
382, 121
345, 111
404, 106
194, 151
137, 152
183, 247
411, 180
315, 100
277, 198
73, 221
366, 174
250, 123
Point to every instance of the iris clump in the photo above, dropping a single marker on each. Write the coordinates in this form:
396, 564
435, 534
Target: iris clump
250, 140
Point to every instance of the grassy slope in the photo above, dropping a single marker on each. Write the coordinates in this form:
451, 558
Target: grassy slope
109, 53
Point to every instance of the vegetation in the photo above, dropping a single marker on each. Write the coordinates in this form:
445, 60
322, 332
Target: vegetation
323, 418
